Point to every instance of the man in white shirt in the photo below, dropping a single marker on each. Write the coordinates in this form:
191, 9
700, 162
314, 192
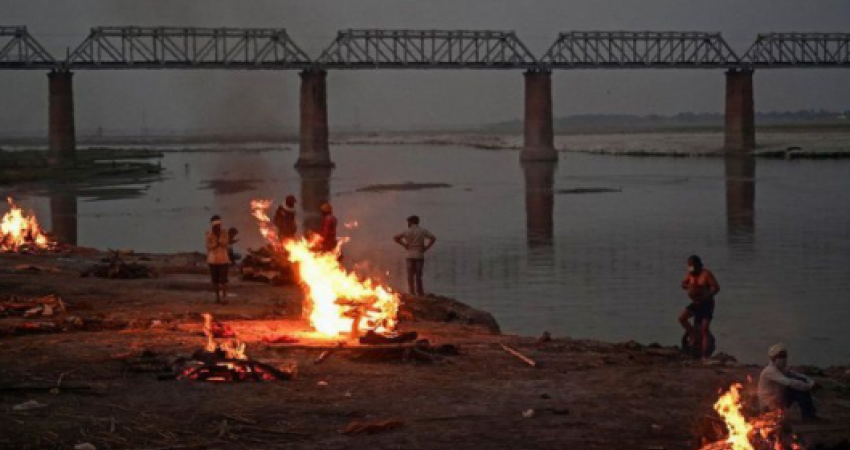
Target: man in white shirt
217, 243
416, 241
780, 387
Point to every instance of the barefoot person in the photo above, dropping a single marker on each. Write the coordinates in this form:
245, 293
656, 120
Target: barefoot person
701, 286
218, 242
416, 241
780, 387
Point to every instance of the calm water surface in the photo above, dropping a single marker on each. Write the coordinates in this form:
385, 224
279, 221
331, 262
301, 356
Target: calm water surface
539, 246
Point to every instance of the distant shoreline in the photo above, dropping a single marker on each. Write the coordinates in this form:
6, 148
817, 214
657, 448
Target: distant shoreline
347, 135
772, 142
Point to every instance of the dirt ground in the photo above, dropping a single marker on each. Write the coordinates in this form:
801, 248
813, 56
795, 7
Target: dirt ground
582, 395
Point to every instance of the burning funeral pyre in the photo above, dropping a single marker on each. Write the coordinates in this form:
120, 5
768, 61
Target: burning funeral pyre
336, 300
226, 361
765, 432
20, 233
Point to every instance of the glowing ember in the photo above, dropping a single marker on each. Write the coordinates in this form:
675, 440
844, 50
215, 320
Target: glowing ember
338, 300
764, 432
18, 230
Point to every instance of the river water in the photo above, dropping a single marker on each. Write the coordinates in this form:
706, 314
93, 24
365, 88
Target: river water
593, 247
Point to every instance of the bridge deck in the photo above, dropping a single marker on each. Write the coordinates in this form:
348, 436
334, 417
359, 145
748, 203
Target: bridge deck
186, 48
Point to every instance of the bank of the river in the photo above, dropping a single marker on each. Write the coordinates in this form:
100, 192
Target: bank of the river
584, 394
21, 166
772, 143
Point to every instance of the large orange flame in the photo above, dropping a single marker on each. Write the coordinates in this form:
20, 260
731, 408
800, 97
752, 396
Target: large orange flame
18, 230
335, 297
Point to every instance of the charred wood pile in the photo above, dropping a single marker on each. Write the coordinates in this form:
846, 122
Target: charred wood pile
114, 266
218, 367
267, 266
377, 347
224, 361
45, 306
29, 248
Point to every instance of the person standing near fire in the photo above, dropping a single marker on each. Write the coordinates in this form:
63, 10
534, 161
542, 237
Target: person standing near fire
780, 387
701, 286
417, 241
327, 232
284, 219
217, 243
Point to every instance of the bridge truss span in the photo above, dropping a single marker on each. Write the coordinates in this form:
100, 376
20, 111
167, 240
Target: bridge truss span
19, 50
427, 49
188, 48
799, 50
640, 50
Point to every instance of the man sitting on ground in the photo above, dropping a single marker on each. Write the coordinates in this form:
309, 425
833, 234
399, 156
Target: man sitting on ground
780, 387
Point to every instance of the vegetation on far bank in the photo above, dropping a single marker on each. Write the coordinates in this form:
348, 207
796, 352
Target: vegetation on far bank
32, 165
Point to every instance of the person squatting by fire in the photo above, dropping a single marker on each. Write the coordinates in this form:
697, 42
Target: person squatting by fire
780, 388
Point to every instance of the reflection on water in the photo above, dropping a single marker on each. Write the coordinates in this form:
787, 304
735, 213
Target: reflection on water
63, 214
740, 196
605, 263
539, 201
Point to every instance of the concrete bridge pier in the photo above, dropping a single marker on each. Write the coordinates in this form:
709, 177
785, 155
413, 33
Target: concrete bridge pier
539, 134
315, 190
62, 150
314, 150
740, 112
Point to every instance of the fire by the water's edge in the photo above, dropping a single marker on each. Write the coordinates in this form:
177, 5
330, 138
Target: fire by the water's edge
18, 230
764, 432
335, 297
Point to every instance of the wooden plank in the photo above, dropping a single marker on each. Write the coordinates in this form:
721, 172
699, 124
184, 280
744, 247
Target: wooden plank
322, 356
519, 355
365, 347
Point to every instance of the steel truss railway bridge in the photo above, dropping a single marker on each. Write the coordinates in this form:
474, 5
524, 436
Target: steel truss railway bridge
187, 48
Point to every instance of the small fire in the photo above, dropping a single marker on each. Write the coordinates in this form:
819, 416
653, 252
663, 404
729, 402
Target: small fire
231, 350
259, 209
18, 230
764, 432
729, 408
338, 300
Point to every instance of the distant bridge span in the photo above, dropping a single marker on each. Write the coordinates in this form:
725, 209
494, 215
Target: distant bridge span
187, 48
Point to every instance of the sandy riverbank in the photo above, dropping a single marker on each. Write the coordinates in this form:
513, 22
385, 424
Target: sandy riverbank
584, 394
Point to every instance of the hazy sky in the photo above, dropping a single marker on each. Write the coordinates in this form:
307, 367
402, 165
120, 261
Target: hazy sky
215, 99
